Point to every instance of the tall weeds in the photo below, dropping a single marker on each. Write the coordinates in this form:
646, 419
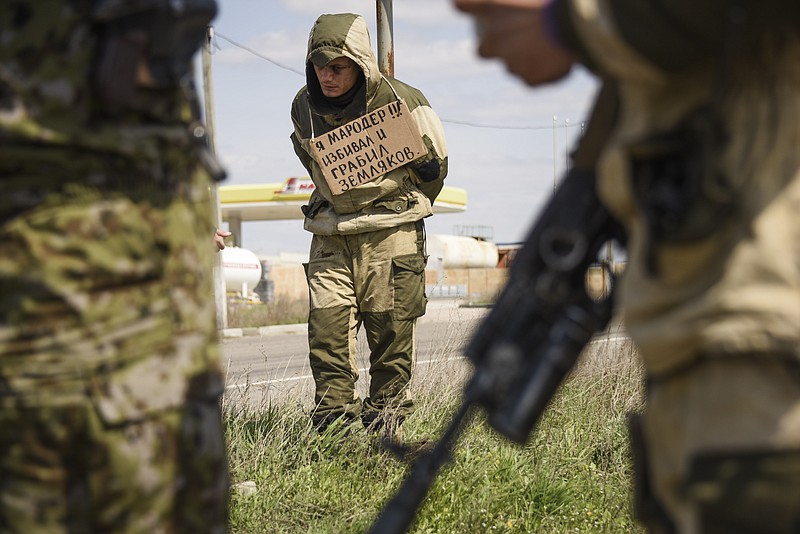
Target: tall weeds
573, 475
283, 310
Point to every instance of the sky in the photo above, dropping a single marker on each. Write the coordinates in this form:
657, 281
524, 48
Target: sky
508, 143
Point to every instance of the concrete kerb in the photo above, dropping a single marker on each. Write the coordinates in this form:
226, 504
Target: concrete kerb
436, 308
274, 330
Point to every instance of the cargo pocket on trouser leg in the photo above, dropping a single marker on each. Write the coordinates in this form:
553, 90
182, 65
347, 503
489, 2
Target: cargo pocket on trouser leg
391, 339
750, 491
408, 280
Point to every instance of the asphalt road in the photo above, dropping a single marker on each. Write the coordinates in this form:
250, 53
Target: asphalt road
271, 364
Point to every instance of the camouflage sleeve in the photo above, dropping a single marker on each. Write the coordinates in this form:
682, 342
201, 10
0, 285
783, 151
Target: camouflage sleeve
301, 119
302, 155
432, 168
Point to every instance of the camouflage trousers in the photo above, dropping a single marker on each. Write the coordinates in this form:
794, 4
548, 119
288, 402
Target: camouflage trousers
63, 469
722, 446
374, 279
109, 365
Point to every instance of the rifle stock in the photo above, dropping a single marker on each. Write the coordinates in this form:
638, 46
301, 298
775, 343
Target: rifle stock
398, 514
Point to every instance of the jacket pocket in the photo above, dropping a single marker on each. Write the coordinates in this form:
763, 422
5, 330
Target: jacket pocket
408, 279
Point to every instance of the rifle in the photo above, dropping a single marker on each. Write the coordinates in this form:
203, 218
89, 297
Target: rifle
539, 324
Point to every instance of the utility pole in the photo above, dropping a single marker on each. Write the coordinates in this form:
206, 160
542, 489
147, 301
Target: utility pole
385, 37
555, 157
208, 101
566, 147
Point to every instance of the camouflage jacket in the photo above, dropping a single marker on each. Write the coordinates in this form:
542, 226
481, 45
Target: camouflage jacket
708, 135
397, 197
105, 224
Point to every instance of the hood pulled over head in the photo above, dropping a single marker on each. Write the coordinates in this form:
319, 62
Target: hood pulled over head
337, 35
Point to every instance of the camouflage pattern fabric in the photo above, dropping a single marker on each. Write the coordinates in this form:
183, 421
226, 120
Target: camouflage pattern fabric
109, 371
713, 308
384, 272
65, 469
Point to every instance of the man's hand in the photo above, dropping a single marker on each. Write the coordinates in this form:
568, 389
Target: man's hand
516, 32
219, 238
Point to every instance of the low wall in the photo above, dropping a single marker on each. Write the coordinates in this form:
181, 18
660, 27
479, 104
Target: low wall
472, 285
475, 285
289, 281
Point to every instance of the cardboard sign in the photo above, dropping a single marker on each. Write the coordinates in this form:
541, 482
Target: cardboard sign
368, 147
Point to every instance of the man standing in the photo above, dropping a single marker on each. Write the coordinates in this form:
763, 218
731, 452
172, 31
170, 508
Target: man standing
367, 259
703, 169
109, 372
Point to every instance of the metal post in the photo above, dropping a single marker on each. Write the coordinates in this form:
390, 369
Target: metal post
208, 101
385, 37
611, 266
235, 227
555, 175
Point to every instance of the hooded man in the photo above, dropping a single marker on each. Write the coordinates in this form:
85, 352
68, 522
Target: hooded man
367, 259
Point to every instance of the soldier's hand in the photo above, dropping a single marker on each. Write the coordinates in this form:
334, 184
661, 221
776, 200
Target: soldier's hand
516, 31
219, 238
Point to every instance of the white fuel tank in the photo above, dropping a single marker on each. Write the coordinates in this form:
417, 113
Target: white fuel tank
461, 252
241, 269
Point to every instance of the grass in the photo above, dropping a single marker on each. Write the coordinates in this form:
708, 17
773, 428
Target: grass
572, 476
283, 310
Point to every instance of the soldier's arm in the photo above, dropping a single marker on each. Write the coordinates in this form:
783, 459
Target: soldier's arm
637, 38
302, 155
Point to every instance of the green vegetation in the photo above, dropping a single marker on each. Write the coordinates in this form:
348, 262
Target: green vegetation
573, 476
242, 314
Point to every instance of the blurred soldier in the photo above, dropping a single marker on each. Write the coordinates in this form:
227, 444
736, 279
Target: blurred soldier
704, 170
367, 260
109, 373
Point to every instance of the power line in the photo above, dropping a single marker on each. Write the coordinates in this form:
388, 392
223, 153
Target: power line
502, 127
259, 55
449, 121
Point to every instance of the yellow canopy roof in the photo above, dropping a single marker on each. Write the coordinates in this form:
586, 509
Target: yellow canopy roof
279, 201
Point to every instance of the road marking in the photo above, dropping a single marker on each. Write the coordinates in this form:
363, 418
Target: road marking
599, 339
306, 377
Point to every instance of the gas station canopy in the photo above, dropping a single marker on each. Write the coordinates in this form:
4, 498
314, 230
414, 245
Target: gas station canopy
282, 201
